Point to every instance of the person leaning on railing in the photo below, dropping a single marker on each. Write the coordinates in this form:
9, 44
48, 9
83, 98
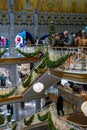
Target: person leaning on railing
47, 101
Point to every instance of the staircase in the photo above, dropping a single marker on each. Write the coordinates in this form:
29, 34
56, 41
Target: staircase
59, 122
50, 77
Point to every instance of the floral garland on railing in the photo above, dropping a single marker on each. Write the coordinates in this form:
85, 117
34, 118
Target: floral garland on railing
72, 129
47, 116
29, 121
29, 55
50, 122
1, 53
27, 81
44, 117
42, 65
52, 64
48, 64
14, 126
8, 94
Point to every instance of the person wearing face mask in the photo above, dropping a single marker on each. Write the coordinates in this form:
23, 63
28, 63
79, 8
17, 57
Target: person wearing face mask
68, 39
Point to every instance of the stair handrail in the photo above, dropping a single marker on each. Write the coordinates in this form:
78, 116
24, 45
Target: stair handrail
63, 121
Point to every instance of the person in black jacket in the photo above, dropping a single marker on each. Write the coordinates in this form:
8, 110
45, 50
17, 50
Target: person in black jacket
8, 108
60, 105
47, 101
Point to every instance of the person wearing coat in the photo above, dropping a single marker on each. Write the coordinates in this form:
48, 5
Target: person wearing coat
60, 105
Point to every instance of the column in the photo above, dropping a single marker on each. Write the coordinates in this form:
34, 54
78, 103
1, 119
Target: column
11, 28
36, 20
38, 104
15, 80
16, 111
13, 67
14, 73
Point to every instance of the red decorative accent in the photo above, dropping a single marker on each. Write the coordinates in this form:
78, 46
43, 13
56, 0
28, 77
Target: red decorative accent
3, 40
18, 39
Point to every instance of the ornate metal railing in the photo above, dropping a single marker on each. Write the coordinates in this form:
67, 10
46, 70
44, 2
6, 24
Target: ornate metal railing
58, 122
63, 124
77, 62
78, 57
74, 99
27, 18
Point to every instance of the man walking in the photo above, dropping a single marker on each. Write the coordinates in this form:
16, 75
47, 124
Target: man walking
60, 105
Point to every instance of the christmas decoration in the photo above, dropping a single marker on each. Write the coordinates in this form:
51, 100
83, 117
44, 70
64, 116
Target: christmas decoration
51, 31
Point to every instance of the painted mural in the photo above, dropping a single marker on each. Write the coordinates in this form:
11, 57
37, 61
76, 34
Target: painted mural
68, 6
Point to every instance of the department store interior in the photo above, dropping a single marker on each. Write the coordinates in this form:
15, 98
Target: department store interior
43, 56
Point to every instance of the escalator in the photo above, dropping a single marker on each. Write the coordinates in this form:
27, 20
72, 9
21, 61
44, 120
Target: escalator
48, 78
57, 122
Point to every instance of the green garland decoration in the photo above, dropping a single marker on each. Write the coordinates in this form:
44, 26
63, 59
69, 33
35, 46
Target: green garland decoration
51, 31
52, 64
27, 81
50, 122
29, 121
29, 55
2, 119
41, 118
60, 61
1, 53
36, 70
47, 63
14, 126
44, 117
42, 65
8, 94
72, 129
9, 118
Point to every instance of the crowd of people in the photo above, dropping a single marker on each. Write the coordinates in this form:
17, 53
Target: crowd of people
65, 39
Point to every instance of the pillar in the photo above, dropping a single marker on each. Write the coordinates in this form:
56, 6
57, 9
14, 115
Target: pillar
14, 73
11, 28
38, 104
16, 111
36, 20
14, 79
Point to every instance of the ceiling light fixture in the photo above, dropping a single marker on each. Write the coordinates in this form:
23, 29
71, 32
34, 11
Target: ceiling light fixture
38, 87
84, 108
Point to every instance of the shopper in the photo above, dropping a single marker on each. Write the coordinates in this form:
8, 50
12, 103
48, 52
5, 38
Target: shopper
22, 104
60, 105
3, 80
8, 108
11, 109
47, 101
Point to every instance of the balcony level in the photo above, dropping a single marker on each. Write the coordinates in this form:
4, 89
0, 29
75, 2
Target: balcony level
72, 68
